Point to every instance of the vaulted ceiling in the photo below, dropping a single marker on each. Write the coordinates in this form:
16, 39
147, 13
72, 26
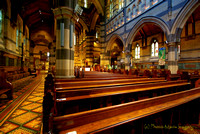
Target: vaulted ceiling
38, 16
148, 30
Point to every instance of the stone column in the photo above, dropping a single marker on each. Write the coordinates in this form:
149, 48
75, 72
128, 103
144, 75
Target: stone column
105, 59
31, 59
172, 57
65, 31
90, 48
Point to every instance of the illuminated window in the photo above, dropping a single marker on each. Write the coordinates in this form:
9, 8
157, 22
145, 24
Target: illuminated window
111, 8
17, 38
1, 21
85, 3
74, 39
154, 48
121, 4
96, 35
137, 51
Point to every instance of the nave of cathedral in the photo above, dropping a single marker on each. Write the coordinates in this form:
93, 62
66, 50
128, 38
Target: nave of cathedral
99, 66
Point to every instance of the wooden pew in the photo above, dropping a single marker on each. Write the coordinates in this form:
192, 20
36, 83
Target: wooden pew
70, 101
87, 84
97, 120
100, 78
5, 86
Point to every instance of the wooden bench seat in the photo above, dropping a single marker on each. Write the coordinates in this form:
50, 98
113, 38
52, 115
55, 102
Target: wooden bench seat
88, 84
100, 78
97, 120
5, 86
8, 92
72, 101
106, 91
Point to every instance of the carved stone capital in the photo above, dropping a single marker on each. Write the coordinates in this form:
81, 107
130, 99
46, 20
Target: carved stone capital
65, 12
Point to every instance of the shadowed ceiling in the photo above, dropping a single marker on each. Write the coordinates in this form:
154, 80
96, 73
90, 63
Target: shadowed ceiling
38, 16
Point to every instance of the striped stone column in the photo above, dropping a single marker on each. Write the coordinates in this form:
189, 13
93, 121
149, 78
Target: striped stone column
65, 31
172, 57
105, 59
89, 49
31, 59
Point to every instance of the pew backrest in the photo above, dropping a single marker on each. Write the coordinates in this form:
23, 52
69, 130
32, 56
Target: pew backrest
103, 118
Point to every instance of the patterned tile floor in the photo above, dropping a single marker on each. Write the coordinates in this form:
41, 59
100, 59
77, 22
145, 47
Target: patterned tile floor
27, 118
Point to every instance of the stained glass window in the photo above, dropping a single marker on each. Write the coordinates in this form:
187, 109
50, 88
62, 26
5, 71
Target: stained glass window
154, 48
1, 21
137, 51
17, 37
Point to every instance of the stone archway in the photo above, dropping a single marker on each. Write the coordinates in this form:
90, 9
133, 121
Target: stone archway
115, 51
112, 40
150, 19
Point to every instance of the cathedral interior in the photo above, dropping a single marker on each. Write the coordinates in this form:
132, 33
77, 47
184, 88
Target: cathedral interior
82, 66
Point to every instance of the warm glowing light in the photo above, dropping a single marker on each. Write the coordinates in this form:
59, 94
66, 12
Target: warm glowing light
139, 12
146, 7
133, 16
73, 132
87, 69
155, 2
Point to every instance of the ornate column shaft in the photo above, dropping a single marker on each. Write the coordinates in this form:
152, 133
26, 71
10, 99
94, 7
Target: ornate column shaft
31, 59
90, 48
172, 57
65, 31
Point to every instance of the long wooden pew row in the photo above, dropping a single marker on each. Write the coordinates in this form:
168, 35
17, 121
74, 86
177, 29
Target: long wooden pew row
71, 101
102, 76
98, 120
102, 83
99, 78
5, 86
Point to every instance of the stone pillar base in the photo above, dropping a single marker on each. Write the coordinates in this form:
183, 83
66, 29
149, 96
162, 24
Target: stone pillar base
173, 69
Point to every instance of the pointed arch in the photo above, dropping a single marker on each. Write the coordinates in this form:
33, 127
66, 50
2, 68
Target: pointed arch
112, 40
142, 22
98, 7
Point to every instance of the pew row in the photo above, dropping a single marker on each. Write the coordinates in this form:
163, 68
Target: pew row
122, 89
72, 101
103, 83
100, 78
97, 120
5, 86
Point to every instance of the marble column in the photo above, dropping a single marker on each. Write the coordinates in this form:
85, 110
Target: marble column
65, 31
90, 48
172, 57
